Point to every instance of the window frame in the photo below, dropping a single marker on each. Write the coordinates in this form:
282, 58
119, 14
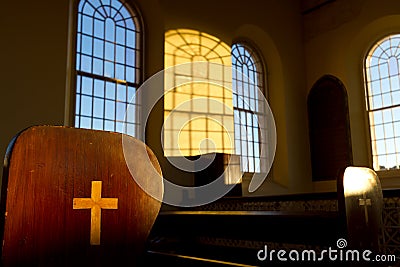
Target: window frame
73, 72
382, 173
252, 47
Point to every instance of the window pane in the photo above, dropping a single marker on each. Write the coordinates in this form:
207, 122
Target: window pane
78, 105
377, 118
101, 64
131, 93
130, 57
389, 131
120, 114
110, 90
99, 29
98, 109
379, 132
86, 106
121, 35
130, 35
109, 69
396, 98
98, 66
109, 51
99, 88
109, 125
131, 114
119, 72
130, 74
394, 83
87, 45
120, 55
121, 93
110, 30
97, 124
86, 64
110, 110
87, 85
87, 25
98, 48
130, 129
86, 123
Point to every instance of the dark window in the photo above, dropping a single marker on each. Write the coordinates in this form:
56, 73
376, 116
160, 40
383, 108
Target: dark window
329, 128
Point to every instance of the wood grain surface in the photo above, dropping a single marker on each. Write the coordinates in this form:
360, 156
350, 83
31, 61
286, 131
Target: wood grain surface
50, 166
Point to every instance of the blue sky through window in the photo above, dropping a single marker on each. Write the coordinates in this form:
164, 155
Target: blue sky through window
107, 66
246, 85
383, 98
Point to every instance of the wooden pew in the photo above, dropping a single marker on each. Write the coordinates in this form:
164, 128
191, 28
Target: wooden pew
232, 231
69, 199
188, 237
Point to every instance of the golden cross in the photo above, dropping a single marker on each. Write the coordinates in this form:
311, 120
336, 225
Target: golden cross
95, 204
365, 202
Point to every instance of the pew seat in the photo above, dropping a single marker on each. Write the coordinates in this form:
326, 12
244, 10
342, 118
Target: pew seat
233, 238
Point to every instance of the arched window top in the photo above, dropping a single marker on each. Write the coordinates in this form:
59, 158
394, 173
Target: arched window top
114, 10
108, 65
384, 49
246, 60
382, 71
383, 101
244, 55
108, 40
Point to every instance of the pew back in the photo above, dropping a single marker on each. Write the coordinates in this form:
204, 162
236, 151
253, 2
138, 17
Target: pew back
70, 200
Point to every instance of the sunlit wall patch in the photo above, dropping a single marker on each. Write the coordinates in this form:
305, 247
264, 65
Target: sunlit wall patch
178, 195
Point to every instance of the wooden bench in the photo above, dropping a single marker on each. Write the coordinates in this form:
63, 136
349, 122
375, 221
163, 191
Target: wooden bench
233, 237
69, 199
232, 231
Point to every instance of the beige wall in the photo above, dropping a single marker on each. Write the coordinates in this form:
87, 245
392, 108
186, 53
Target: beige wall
33, 60
283, 52
337, 44
34, 65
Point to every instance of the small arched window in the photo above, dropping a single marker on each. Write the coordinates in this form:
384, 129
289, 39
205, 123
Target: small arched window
248, 86
383, 101
108, 66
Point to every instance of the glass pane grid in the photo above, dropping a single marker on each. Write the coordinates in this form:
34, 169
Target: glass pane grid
105, 108
247, 81
383, 99
107, 68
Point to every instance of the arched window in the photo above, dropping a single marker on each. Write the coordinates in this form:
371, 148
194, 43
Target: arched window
383, 102
108, 66
248, 82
